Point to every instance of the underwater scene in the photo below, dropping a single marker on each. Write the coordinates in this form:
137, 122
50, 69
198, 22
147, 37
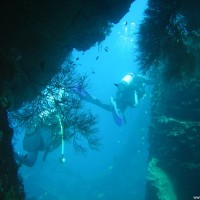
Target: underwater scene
116, 168
100, 100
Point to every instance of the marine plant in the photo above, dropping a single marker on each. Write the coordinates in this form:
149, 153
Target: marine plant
59, 109
168, 35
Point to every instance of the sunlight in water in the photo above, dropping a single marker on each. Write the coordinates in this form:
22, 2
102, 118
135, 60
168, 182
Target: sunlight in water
119, 167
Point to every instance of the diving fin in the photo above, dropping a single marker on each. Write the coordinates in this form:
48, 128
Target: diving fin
116, 112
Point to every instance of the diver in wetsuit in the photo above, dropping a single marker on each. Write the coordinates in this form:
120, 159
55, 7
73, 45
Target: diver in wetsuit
130, 90
39, 140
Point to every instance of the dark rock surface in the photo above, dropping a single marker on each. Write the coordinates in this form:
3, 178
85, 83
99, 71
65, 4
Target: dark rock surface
36, 36
169, 47
174, 140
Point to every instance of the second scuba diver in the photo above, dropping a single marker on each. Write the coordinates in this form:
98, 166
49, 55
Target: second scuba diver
130, 90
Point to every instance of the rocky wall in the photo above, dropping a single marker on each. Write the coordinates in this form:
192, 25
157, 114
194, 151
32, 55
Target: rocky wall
11, 186
169, 48
36, 36
174, 137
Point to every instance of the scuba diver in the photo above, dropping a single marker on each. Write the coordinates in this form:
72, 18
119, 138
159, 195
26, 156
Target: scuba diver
35, 141
130, 90
44, 136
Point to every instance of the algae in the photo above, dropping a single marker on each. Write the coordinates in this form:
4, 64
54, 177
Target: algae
160, 181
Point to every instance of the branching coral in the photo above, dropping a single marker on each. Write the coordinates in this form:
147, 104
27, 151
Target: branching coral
59, 109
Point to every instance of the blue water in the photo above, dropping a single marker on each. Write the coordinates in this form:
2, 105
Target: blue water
118, 170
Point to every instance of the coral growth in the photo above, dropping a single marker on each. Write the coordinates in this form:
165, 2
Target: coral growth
161, 181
